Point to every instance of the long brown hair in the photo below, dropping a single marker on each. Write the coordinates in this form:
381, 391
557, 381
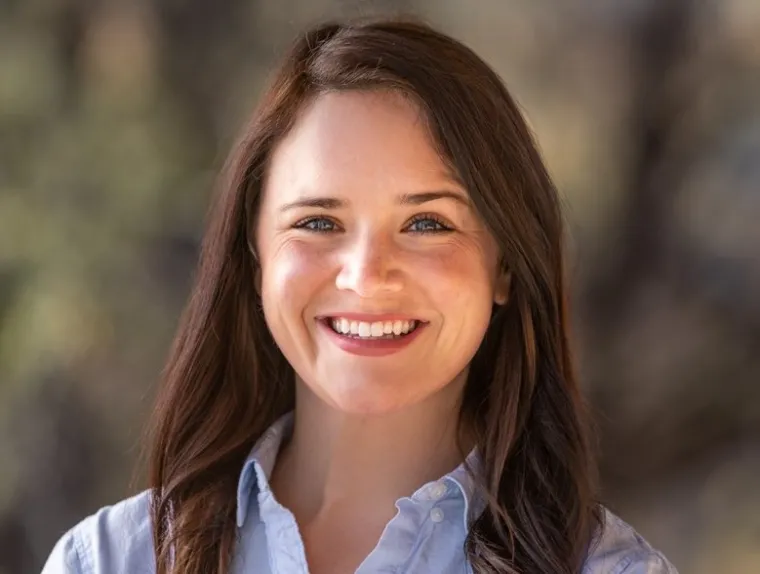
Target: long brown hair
226, 381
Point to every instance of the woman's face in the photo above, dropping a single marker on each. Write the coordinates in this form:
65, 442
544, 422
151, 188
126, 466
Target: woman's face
378, 278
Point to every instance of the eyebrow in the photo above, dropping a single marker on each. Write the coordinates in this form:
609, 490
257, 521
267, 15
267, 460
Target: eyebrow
424, 197
403, 199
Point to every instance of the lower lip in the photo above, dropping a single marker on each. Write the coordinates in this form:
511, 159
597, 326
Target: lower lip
371, 347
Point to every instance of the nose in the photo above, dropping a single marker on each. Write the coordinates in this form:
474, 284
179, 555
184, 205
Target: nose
369, 268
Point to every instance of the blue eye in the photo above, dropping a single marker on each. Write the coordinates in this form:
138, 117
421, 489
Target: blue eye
316, 225
427, 224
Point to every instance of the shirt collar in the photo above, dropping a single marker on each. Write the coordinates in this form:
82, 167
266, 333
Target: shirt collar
258, 466
463, 478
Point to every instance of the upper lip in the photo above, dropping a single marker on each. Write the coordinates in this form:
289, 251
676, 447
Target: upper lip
370, 317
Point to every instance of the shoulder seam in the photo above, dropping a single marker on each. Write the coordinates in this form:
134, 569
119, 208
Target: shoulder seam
83, 566
622, 566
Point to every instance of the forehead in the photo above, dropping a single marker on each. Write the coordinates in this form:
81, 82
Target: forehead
353, 141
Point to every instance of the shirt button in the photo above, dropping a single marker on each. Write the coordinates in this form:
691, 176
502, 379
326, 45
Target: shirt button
437, 491
436, 515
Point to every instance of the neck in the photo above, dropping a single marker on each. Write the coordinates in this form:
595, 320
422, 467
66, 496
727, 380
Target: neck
365, 462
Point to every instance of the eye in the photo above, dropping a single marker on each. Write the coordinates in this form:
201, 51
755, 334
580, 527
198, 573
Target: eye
317, 225
427, 224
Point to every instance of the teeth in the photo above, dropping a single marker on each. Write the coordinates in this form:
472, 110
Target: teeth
377, 329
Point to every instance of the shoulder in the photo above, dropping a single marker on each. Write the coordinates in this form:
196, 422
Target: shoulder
619, 549
117, 539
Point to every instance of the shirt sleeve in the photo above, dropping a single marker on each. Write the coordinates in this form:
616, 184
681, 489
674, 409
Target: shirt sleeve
64, 558
619, 549
651, 563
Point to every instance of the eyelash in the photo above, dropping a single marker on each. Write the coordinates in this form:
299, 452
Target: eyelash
441, 226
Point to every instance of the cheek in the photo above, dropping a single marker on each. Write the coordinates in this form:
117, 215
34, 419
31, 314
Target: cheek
462, 277
290, 274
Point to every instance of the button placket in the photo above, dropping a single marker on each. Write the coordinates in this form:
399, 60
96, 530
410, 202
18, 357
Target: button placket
436, 514
437, 491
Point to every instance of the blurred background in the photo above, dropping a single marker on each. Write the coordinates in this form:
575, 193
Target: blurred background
116, 115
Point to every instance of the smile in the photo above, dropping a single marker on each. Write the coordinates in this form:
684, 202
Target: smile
372, 330
361, 335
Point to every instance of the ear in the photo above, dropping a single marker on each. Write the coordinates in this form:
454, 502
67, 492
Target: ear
501, 289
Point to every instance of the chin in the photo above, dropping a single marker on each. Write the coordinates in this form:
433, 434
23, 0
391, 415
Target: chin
367, 406
368, 399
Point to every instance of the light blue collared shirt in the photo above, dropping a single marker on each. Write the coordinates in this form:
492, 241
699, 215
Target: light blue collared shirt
426, 536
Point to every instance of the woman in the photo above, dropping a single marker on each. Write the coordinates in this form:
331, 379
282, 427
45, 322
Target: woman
373, 372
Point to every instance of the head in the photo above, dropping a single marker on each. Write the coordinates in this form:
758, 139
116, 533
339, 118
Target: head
362, 227
386, 186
